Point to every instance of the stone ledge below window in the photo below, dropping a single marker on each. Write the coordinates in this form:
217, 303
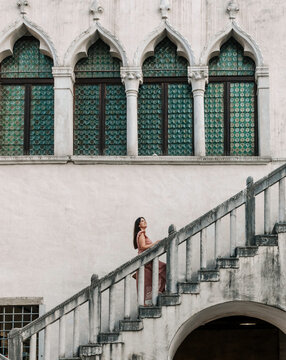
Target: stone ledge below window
135, 160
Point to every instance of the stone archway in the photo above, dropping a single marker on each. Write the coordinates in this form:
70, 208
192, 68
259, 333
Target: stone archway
234, 337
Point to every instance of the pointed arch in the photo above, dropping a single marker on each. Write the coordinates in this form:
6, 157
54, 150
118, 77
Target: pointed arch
79, 47
147, 47
20, 28
268, 313
251, 49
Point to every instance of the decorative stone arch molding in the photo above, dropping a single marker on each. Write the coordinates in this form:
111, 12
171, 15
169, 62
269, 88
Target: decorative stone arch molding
252, 50
147, 47
79, 47
20, 28
250, 47
270, 314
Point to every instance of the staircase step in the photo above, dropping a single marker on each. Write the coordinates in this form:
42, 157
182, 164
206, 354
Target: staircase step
150, 312
279, 228
89, 350
266, 240
108, 337
228, 263
246, 251
189, 288
169, 299
208, 275
130, 325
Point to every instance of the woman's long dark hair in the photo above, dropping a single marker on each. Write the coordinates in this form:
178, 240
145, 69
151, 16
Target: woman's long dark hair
136, 231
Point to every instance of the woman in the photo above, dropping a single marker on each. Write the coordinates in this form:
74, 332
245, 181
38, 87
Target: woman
142, 243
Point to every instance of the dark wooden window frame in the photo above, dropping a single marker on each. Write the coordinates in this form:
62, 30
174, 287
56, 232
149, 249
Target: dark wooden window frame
27, 83
226, 81
102, 82
165, 81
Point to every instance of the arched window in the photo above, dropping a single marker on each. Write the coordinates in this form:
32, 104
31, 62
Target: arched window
230, 103
165, 121
100, 104
26, 101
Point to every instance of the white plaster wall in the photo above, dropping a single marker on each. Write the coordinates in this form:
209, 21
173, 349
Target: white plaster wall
61, 223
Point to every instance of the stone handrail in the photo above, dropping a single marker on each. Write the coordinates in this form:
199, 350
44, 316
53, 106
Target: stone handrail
2, 357
246, 196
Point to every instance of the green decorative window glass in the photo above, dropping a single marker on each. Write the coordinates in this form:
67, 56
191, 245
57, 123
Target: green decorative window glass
165, 121
100, 104
230, 104
26, 101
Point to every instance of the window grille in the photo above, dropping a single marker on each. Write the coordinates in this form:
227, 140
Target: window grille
16, 317
100, 104
26, 101
230, 104
165, 105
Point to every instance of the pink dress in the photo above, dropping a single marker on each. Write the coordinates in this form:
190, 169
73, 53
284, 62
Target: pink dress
148, 272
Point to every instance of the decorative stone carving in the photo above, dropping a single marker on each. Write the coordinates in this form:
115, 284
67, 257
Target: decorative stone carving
131, 73
22, 5
232, 9
96, 10
198, 73
164, 8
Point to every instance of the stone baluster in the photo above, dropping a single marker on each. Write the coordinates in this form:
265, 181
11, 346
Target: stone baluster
172, 262
267, 211
198, 77
232, 232
249, 212
47, 342
33, 347
141, 286
189, 263
64, 102
217, 236
127, 297
76, 314
94, 309
155, 280
111, 312
15, 345
282, 217
132, 78
62, 337
203, 248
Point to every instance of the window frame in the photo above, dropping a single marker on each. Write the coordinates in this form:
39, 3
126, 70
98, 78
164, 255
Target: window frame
102, 82
164, 81
27, 83
227, 80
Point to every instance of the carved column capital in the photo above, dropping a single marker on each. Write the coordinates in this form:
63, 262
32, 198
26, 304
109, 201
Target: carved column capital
96, 10
22, 5
164, 8
262, 77
198, 77
232, 9
63, 72
131, 77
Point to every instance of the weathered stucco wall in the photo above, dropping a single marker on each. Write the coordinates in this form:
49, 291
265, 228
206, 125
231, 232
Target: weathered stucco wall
61, 223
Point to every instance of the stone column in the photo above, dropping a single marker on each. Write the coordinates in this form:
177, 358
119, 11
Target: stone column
63, 133
131, 78
198, 77
262, 81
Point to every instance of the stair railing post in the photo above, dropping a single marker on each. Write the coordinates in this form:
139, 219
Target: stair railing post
249, 212
203, 248
47, 342
76, 331
62, 337
172, 261
94, 309
141, 275
33, 347
155, 280
111, 310
267, 211
15, 345
282, 214
127, 297
232, 232
189, 263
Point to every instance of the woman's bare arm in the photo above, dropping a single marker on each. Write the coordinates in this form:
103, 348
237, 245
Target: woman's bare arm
142, 242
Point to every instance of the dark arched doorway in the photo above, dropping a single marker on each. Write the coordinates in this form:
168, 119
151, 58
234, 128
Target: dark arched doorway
235, 338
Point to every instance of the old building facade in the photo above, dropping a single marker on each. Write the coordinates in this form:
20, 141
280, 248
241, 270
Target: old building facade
114, 109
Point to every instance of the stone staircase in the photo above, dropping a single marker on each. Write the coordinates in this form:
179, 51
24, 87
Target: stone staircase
251, 277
